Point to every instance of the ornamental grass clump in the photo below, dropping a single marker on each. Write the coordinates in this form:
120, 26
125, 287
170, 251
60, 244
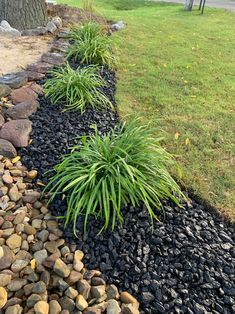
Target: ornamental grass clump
99, 176
76, 88
86, 31
90, 46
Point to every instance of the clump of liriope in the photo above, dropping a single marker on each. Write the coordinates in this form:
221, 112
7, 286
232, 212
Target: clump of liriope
103, 173
90, 46
86, 31
76, 88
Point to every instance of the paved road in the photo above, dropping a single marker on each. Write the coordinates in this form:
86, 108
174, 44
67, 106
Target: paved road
224, 4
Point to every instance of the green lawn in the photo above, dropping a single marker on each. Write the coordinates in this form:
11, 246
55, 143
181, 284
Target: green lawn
177, 69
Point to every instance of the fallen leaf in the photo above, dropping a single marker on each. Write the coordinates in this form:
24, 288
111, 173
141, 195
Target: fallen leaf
33, 263
30, 141
187, 141
177, 134
14, 160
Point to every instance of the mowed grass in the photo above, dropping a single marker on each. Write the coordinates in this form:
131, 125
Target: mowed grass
177, 69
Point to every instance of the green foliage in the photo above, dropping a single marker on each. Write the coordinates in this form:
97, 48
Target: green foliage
86, 31
90, 45
88, 5
103, 173
76, 88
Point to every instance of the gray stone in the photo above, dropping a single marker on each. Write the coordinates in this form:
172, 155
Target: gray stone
2, 120
118, 26
51, 27
23, 110
17, 132
14, 309
33, 299
6, 28
131, 308
7, 149
5, 90
113, 307
43, 235
67, 304
14, 80
34, 31
18, 265
40, 256
16, 284
39, 287
57, 21
53, 58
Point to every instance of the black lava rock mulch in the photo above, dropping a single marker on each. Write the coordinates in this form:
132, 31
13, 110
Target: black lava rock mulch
185, 264
55, 132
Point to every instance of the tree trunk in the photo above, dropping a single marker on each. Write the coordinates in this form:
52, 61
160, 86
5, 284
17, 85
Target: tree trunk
188, 5
24, 14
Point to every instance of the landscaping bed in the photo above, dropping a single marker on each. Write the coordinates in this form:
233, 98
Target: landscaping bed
181, 263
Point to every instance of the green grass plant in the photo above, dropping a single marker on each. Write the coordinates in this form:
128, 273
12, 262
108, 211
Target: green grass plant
85, 31
76, 88
177, 69
124, 167
90, 45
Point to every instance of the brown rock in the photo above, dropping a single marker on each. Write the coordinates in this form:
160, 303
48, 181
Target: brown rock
84, 288
14, 194
78, 256
53, 58
34, 76
40, 67
23, 94
71, 293
14, 241
132, 308
41, 307
31, 196
32, 174
98, 291
7, 178
74, 277
127, 298
23, 110
7, 259
61, 268
54, 307
2, 120
81, 303
14, 309
5, 279
112, 292
3, 297
29, 230
38, 89
17, 132
7, 149
5, 90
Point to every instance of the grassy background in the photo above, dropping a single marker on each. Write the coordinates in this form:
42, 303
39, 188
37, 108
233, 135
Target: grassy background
177, 69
